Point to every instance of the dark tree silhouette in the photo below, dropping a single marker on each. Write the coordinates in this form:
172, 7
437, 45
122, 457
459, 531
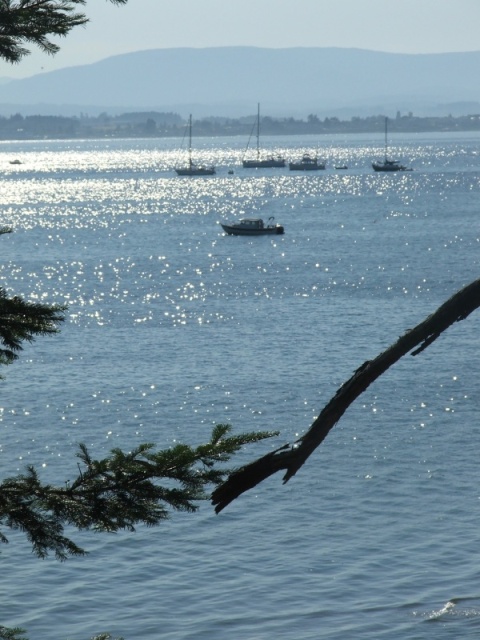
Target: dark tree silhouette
114, 493
291, 457
33, 22
123, 489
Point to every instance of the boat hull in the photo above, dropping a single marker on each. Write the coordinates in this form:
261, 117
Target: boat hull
195, 171
302, 166
388, 167
236, 230
267, 163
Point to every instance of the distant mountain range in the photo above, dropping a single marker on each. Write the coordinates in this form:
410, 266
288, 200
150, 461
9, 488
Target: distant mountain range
229, 81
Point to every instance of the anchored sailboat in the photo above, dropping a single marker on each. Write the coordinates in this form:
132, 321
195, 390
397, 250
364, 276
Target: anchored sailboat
258, 162
192, 169
388, 165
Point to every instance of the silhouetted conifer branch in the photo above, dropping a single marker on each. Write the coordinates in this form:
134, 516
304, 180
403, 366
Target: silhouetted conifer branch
117, 492
32, 22
22, 321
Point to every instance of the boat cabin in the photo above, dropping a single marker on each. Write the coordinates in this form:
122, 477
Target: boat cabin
251, 223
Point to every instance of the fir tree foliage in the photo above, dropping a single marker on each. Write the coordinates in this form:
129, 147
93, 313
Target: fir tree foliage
34, 22
22, 321
12, 634
124, 489
117, 492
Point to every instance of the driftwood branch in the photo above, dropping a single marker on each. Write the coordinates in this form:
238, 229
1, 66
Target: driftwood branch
291, 457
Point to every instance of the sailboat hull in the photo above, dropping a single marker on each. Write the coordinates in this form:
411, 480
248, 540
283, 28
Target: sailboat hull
266, 163
195, 171
389, 166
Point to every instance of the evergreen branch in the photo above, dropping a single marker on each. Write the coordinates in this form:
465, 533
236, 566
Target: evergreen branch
22, 321
34, 21
12, 634
117, 492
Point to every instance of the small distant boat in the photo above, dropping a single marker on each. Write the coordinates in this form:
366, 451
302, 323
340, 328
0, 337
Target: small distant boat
15, 161
307, 163
388, 165
192, 169
341, 167
267, 162
253, 227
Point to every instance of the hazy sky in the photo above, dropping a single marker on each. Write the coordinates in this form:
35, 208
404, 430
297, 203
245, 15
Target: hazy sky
400, 26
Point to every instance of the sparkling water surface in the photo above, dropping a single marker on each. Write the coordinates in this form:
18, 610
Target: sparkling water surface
173, 327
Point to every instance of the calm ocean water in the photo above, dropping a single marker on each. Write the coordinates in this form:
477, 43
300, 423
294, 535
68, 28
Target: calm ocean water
173, 327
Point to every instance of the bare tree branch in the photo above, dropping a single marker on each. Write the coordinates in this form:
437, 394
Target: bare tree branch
291, 457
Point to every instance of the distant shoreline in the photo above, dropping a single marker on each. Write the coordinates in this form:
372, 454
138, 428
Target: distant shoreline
169, 125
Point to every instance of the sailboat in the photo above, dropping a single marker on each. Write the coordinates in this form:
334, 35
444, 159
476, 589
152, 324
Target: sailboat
388, 165
257, 162
192, 169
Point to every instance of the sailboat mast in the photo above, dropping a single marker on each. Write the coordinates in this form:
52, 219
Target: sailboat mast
190, 141
386, 144
258, 131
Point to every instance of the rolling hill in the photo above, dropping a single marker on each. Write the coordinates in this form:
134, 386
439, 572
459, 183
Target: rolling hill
229, 81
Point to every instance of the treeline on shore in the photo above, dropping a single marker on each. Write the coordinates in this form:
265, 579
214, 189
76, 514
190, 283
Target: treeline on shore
153, 124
